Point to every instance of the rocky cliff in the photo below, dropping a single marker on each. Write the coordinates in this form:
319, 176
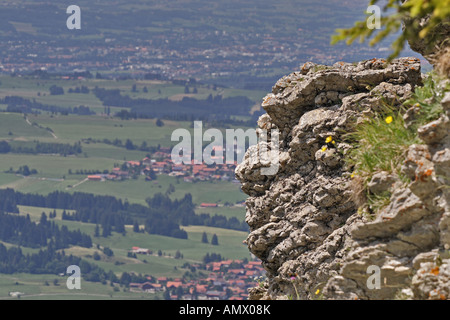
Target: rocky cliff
305, 222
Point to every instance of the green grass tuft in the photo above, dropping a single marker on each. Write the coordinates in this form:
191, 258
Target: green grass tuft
428, 100
380, 143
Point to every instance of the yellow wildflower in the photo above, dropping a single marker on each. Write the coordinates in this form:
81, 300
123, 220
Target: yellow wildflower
333, 142
388, 119
324, 148
317, 291
328, 139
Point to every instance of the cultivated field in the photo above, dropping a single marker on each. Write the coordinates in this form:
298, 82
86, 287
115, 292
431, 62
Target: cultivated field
55, 172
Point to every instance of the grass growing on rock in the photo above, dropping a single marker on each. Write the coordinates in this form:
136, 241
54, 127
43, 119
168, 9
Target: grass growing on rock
379, 145
427, 100
380, 142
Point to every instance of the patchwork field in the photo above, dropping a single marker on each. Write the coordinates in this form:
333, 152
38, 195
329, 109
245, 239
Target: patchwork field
193, 250
43, 287
95, 134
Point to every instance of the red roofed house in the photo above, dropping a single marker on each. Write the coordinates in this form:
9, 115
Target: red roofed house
249, 273
147, 161
201, 288
162, 279
95, 178
151, 287
159, 166
197, 168
174, 284
236, 271
133, 163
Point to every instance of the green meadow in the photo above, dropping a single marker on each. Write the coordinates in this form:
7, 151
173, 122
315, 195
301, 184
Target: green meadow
53, 287
14, 126
59, 173
193, 250
75, 128
30, 87
53, 170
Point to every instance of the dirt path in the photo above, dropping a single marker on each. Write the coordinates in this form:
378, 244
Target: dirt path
76, 185
54, 135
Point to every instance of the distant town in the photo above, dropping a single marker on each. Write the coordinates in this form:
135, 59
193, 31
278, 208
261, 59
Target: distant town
226, 280
193, 47
168, 63
161, 163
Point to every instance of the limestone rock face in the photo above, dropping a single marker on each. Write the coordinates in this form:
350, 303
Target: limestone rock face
302, 219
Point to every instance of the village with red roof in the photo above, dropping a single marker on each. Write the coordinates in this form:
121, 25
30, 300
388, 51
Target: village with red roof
161, 163
225, 280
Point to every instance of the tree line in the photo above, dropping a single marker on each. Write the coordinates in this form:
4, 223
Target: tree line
21, 105
37, 147
128, 144
82, 89
22, 231
183, 212
23, 170
162, 215
53, 261
49, 261
163, 107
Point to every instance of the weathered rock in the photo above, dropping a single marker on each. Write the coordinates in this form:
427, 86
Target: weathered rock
445, 102
381, 182
296, 93
303, 221
433, 132
432, 281
402, 212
